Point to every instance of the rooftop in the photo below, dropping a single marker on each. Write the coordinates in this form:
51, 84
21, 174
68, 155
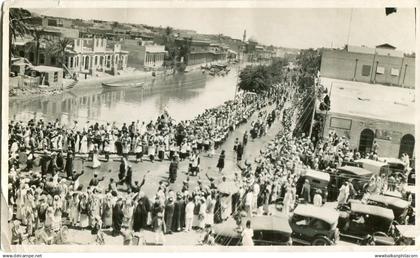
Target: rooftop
46, 69
373, 101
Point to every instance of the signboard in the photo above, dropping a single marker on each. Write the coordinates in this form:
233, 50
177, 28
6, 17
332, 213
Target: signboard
340, 123
383, 134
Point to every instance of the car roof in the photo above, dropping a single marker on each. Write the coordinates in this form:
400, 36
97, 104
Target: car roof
372, 210
391, 160
317, 175
275, 223
395, 194
356, 170
389, 200
328, 215
409, 231
371, 162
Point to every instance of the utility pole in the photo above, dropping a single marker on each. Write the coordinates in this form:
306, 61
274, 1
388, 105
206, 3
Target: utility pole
313, 112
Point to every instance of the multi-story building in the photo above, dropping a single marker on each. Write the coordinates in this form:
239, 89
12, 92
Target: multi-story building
89, 55
86, 55
383, 65
144, 54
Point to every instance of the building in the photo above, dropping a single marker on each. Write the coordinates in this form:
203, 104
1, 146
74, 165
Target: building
88, 55
45, 21
144, 54
362, 116
48, 75
382, 65
199, 52
203, 52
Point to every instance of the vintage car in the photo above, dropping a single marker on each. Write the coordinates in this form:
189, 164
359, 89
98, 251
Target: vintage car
396, 166
358, 176
397, 205
313, 225
268, 230
318, 181
377, 167
358, 221
406, 234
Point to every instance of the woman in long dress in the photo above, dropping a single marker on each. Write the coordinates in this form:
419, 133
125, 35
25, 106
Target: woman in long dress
138, 149
247, 235
77, 143
210, 205
112, 143
83, 144
95, 158
107, 211
221, 161
84, 211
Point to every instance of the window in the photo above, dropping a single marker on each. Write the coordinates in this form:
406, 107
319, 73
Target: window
395, 72
55, 76
53, 61
380, 70
97, 42
366, 70
21, 53
96, 60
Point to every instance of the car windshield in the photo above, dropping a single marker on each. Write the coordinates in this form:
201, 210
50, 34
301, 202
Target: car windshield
377, 223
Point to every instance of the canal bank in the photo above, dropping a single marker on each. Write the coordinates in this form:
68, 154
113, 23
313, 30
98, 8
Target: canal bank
186, 95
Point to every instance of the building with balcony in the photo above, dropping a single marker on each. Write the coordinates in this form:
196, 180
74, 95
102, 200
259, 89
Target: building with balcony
89, 55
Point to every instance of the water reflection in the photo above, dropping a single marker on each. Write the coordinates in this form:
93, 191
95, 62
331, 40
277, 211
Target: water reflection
183, 96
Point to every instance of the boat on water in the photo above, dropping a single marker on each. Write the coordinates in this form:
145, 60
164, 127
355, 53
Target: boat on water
123, 85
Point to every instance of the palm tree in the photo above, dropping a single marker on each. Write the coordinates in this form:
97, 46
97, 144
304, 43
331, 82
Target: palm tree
17, 27
38, 34
58, 48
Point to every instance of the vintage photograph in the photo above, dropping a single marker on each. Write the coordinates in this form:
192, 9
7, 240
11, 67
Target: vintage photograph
212, 127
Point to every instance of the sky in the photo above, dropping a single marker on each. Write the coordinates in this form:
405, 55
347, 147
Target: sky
297, 28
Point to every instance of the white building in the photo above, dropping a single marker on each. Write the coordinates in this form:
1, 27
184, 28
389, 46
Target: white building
89, 55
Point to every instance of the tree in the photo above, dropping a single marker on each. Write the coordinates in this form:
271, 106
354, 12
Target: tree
57, 49
17, 27
37, 33
309, 61
255, 79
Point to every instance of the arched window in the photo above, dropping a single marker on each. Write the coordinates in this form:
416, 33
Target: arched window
407, 145
366, 141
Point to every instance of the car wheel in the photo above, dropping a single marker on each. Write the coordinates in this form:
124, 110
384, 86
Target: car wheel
321, 241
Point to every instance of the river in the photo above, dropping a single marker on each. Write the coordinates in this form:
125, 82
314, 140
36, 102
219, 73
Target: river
183, 96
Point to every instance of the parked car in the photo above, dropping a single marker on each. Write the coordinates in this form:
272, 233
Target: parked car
358, 176
318, 181
397, 205
268, 230
313, 225
359, 221
377, 167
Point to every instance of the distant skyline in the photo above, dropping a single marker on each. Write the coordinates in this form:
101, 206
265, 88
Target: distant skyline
295, 28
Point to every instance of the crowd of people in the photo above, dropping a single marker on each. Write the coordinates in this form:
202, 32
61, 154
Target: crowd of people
45, 201
45, 194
